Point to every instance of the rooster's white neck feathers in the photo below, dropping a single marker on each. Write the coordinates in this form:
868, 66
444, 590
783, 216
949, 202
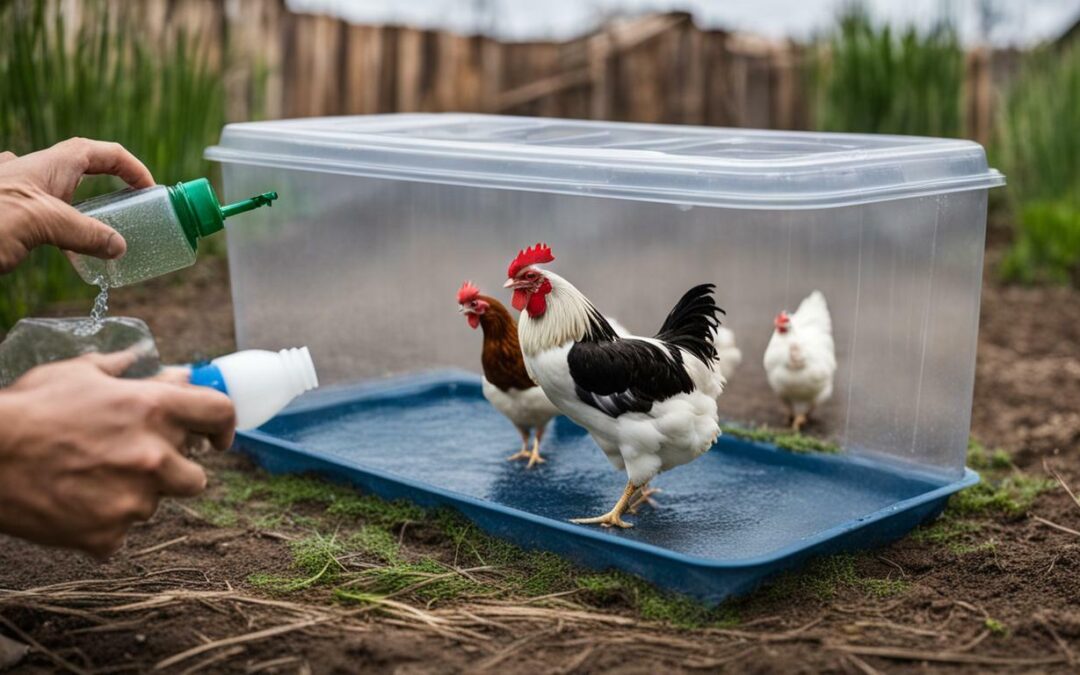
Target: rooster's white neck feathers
569, 318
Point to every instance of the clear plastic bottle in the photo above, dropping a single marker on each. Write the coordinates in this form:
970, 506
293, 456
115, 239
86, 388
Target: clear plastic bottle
162, 226
259, 382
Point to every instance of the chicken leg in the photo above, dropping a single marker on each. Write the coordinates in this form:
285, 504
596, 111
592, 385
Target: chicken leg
644, 496
532, 455
799, 421
612, 518
535, 457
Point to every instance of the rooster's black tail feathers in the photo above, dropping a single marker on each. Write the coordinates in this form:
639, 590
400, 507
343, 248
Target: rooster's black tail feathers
692, 324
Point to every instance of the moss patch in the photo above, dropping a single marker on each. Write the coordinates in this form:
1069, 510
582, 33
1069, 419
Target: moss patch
376, 542
1011, 496
784, 439
956, 534
656, 605
982, 459
996, 627
426, 579
315, 557
823, 578
1003, 490
270, 498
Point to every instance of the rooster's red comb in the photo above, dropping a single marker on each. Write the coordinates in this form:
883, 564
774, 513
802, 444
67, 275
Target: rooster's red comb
467, 293
536, 255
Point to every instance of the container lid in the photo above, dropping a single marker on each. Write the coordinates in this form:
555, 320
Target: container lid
738, 168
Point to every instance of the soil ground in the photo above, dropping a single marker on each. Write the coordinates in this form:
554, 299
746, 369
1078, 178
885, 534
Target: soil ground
265, 576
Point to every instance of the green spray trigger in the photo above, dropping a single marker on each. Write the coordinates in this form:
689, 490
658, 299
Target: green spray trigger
265, 199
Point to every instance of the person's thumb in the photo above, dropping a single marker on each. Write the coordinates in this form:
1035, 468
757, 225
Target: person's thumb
70, 230
113, 363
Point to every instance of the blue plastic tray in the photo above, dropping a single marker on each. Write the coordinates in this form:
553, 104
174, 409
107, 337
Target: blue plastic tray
737, 515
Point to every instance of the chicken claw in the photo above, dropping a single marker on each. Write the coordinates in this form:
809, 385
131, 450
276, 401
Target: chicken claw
612, 518
798, 423
532, 455
520, 454
644, 496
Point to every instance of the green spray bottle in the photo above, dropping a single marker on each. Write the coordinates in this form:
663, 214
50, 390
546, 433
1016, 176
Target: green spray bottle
162, 226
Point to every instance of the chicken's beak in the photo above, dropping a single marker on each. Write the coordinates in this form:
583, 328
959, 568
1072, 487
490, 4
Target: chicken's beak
509, 283
461, 309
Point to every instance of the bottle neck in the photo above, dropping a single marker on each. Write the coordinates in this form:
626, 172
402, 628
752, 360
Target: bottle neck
185, 213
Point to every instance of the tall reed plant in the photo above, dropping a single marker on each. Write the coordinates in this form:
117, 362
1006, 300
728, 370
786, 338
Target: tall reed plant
1037, 146
104, 78
871, 78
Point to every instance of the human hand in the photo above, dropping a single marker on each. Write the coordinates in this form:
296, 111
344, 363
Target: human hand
84, 454
35, 191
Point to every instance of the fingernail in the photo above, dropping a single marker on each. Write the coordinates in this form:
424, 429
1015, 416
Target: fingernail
115, 246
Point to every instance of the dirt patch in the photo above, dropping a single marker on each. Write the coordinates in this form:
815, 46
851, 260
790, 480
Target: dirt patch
993, 588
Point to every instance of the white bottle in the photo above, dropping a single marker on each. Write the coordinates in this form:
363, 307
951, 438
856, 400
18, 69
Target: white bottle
259, 382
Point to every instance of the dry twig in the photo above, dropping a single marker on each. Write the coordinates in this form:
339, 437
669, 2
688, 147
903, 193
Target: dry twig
862, 665
237, 640
1062, 645
1053, 472
47, 653
216, 658
159, 547
1054, 525
901, 654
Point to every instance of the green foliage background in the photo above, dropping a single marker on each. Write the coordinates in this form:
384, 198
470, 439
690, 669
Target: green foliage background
873, 79
104, 79
1037, 146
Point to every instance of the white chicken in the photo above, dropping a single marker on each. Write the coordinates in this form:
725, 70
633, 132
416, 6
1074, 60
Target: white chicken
649, 403
728, 355
800, 360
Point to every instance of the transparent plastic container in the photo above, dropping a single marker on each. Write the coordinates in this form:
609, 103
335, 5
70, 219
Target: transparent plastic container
389, 214
157, 243
162, 226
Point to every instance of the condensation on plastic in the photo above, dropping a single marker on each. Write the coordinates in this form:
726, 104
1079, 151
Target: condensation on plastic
363, 270
156, 243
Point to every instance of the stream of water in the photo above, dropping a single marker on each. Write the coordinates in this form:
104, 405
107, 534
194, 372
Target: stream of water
97, 312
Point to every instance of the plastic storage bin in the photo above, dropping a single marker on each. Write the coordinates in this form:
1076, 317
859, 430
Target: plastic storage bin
386, 216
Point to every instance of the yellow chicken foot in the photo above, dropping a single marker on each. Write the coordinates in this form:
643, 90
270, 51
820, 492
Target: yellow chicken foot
644, 496
799, 422
534, 456
612, 518
524, 452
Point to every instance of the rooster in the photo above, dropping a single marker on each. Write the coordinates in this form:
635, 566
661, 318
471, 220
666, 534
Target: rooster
649, 403
506, 384
800, 360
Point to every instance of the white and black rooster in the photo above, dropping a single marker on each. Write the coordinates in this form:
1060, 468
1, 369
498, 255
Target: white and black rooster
649, 403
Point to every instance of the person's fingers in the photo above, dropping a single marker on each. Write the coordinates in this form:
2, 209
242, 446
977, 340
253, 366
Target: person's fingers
203, 411
103, 543
172, 375
7, 156
101, 157
179, 476
66, 228
113, 363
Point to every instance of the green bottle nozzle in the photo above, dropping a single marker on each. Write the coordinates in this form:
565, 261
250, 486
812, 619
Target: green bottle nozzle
201, 213
255, 202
